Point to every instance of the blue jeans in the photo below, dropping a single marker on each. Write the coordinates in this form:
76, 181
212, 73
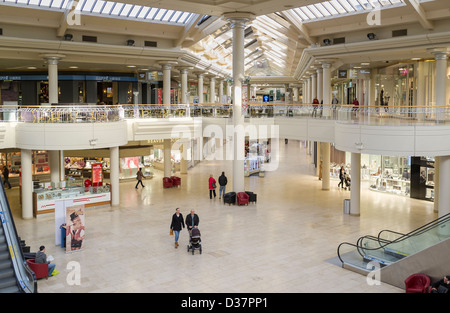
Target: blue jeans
177, 235
51, 267
221, 191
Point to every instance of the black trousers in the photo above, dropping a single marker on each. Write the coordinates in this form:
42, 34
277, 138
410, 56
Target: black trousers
211, 191
139, 181
6, 182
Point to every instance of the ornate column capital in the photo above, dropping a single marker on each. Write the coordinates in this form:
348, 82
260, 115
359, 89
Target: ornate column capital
238, 19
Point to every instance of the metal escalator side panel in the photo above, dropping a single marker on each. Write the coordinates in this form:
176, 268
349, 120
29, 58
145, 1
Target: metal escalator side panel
25, 279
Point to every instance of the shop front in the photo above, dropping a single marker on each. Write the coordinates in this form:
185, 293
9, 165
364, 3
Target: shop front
73, 87
12, 159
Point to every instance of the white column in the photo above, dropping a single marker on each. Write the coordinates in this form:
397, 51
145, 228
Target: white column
355, 193
167, 158
27, 184
310, 99
326, 85
184, 85
325, 166
318, 157
166, 82
308, 91
62, 168
114, 175
53, 91
54, 156
295, 97
304, 92
212, 91
183, 161
200, 88
220, 90
238, 22
313, 86
320, 85
441, 79
228, 89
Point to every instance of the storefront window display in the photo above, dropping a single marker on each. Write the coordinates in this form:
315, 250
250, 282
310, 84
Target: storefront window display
40, 167
384, 173
157, 158
394, 176
395, 85
256, 154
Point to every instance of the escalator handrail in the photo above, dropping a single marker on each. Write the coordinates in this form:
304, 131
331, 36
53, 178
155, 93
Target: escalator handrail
14, 229
359, 241
422, 229
419, 230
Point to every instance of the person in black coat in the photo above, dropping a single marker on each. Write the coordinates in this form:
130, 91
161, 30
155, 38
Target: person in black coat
192, 220
177, 225
441, 286
222, 183
341, 177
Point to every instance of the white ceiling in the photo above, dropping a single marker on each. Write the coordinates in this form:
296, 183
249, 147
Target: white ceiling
276, 38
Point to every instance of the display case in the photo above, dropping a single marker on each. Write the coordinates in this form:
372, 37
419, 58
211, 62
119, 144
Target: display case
44, 199
41, 162
392, 185
253, 165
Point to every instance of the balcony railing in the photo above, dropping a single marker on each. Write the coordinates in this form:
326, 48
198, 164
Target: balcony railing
113, 113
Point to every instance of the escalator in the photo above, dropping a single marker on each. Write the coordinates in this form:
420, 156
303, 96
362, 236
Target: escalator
15, 275
390, 247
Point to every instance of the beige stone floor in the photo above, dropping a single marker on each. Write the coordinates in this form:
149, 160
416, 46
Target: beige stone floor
279, 245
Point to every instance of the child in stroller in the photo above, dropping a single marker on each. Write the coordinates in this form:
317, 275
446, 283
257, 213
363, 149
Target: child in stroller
347, 181
195, 240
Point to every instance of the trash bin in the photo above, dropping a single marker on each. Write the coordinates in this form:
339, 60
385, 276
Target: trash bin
346, 206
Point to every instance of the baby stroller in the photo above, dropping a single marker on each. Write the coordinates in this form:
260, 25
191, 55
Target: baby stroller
195, 240
347, 181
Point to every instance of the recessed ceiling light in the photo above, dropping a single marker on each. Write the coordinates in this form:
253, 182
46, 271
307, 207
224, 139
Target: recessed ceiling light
144, 69
365, 63
73, 66
416, 59
131, 65
31, 67
357, 67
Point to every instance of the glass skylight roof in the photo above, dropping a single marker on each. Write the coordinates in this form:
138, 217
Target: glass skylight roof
108, 9
337, 8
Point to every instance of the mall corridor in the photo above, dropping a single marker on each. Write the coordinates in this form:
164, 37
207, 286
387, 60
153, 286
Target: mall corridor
285, 243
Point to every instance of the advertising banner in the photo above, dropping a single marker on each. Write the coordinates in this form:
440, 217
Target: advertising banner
97, 174
75, 230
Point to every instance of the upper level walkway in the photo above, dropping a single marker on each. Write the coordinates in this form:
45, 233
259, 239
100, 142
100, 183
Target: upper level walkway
404, 131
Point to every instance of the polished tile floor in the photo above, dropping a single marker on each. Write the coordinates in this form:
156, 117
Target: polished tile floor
281, 244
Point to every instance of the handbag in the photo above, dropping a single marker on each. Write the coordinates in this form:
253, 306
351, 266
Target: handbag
171, 232
214, 185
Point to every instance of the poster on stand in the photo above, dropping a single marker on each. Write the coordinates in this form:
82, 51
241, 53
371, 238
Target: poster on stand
75, 229
97, 174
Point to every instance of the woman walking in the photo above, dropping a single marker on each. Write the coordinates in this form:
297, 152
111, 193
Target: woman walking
341, 177
212, 186
177, 223
139, 177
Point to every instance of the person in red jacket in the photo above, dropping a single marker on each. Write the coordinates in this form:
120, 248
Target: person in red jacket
212, 186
